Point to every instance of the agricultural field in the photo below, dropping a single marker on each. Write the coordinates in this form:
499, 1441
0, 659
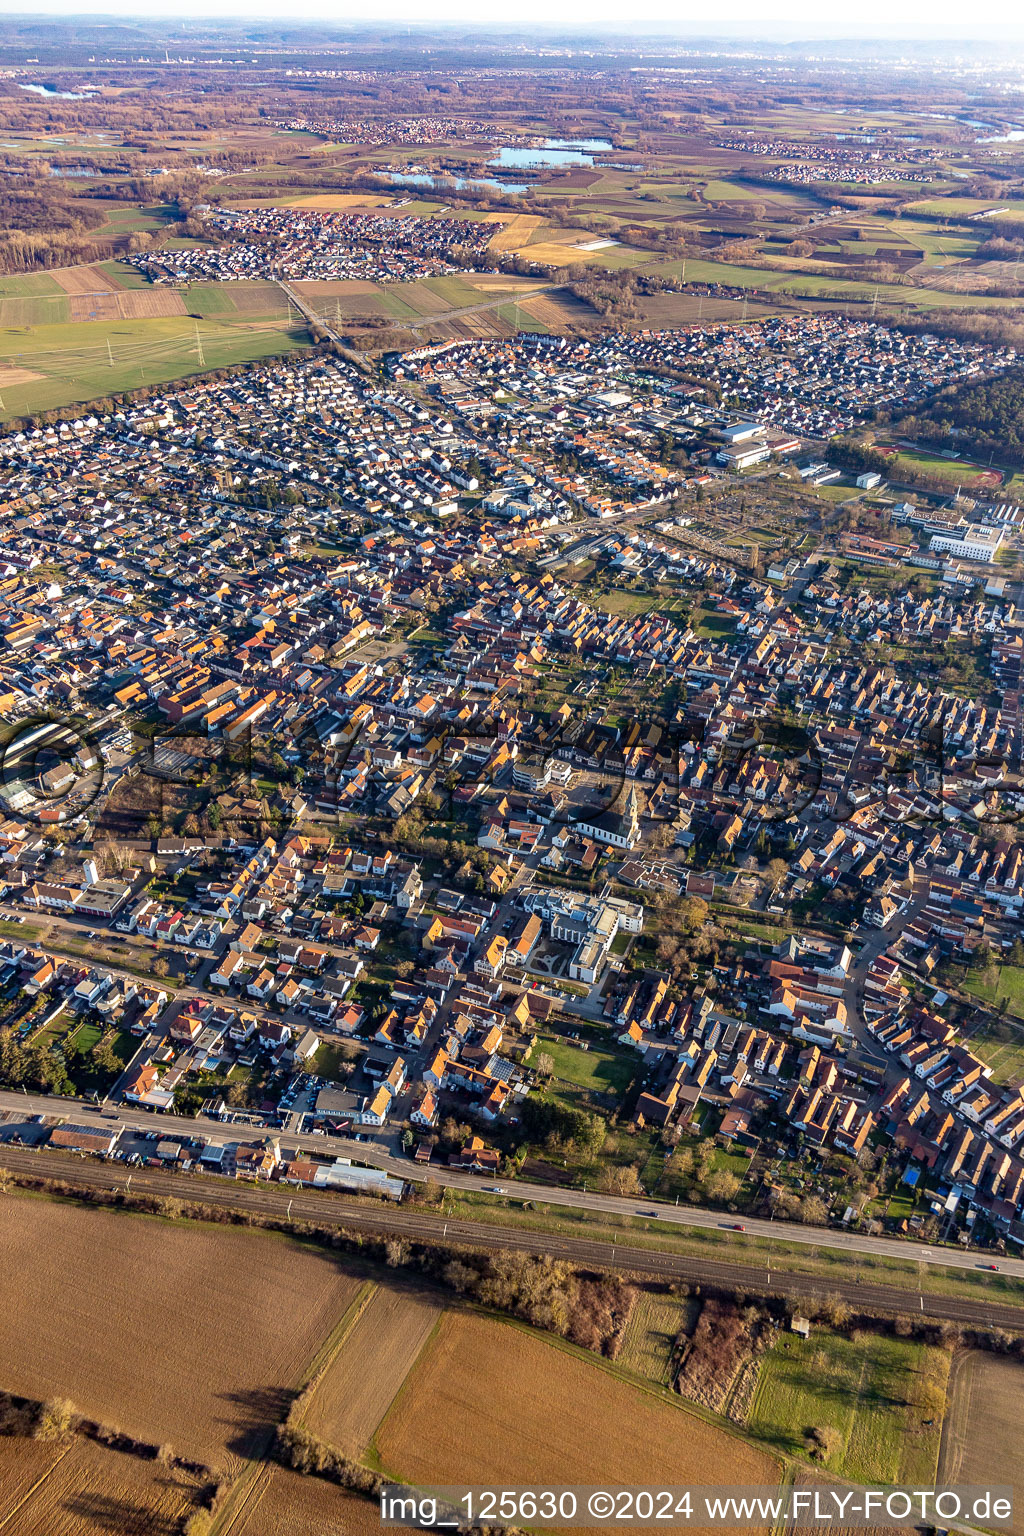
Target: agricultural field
556, 311
983, 1436
512, 234
503, 1404
337, 202
192, 1338
86, 281
48, 366
124, 219
40, 309
77, 294
882, 1398
81, 1488
126, 304
377, 1354
23, 1465
29, 285
285, 1504
256, 300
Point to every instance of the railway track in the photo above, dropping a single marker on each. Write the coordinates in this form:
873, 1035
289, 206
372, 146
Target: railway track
361, 1216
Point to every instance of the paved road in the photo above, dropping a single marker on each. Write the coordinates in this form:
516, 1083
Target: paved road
853, 1243
357, 359
363, 1216
876, 942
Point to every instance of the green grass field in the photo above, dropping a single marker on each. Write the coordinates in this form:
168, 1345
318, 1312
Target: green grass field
43, 309
122, 274
1001, 1047
599, 1069
29, 285
397, 307
653, 1329
50, 366
811, 285
125, 219
959, 207
1010, 985
455, 291
258, 300
210, 299
876, 1392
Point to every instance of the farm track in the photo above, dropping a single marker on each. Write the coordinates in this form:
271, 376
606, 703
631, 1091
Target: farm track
333, 1210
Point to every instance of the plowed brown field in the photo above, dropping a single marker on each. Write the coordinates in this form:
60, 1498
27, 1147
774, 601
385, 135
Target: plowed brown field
288, 1505
92, 1491
983, 1434
23, 1463
127, 304
84, 280
364, 1377
493, 1405
190, 1336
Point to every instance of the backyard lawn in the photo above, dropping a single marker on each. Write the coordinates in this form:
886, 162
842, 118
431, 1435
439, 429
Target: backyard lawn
599, 1069
1010, 985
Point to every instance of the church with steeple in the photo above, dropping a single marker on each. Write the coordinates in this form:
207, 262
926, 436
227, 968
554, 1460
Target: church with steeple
619, 825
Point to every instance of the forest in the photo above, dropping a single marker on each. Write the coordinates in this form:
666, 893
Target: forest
985, 418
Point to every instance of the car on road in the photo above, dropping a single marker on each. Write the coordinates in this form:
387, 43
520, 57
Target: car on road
990, 1266
737, 1226
496, 1189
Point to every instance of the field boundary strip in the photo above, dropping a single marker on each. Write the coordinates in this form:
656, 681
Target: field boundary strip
31, 1492
247, 1494
354, 1395
372, 1456
326, 1354
245, 1497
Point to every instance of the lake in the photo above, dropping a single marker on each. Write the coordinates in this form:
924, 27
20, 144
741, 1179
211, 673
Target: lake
54, 95
551, 152
440, 182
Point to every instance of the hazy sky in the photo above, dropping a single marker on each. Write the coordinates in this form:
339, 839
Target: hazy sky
789, 18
